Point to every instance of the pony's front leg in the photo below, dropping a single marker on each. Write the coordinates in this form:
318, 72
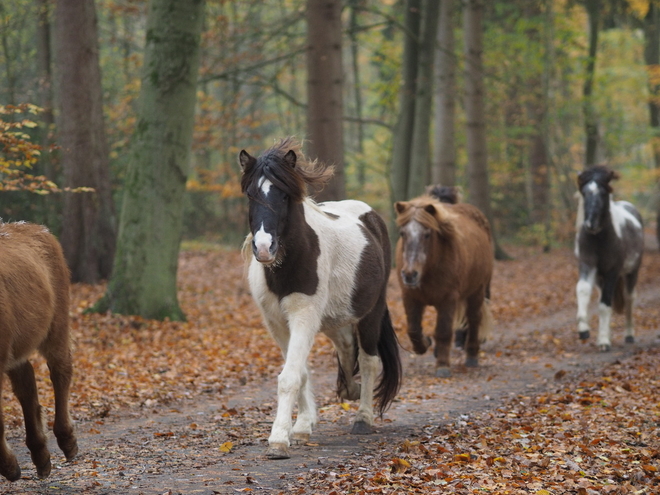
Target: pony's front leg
303, 326
9, 467
443, 334
414, 312
605, 311
306, 420
583, 290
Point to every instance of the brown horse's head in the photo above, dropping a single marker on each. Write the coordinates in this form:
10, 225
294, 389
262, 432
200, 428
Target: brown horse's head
422, 223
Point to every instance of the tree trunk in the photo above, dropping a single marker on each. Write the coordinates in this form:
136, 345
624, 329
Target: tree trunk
652, 60
144, 279
444, 168
402, 138
361, 172
324, 92
478, 183
88, 219
420, 152
590, 121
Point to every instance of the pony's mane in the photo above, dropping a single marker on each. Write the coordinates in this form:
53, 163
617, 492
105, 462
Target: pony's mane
417, 209
273, 165
599, 174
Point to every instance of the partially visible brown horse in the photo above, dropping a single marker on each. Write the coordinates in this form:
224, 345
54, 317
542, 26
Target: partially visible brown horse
34, 315
444, 258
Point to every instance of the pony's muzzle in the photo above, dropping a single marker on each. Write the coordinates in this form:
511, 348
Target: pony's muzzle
410, 278
265, 253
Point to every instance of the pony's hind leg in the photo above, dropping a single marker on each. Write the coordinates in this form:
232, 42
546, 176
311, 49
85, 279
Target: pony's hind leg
443, 336
474, 314
630, 294
343, 340
25, 389
58, 358
9, 467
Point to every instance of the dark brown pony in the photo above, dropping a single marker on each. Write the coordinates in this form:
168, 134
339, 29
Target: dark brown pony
34, 315
444, 259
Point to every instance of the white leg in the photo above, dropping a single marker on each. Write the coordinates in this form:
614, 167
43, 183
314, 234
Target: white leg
604, 317
303, 325
306, 420
369, 366
343, 340
583, 289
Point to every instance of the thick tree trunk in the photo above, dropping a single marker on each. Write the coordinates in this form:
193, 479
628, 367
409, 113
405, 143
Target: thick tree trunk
359, 137
420, 152
477, 151
144, 279
652, 60
324, 92
444, 164
402, 138
590, 120
88, 219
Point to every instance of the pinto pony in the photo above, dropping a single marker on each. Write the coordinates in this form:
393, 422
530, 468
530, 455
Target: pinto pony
318, 267
444, 259
34, 315
609, 245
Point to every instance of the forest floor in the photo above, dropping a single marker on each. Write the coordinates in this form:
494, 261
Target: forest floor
168, 408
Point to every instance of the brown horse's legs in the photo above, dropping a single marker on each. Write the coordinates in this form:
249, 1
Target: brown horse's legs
25, 389
61, 371
473, 314
9, 467
443, 335
414, 312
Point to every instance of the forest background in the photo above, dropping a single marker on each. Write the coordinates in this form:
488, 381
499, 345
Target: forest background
566, 84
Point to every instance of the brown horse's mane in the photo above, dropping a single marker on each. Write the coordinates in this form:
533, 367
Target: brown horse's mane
430, 213
276, 167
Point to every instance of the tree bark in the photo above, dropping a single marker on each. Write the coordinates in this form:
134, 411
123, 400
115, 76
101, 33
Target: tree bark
652, 60
477, 150
590, 121
444, 168
420, 152
402, 138
144, 279
88, 219
361, 172
324, 92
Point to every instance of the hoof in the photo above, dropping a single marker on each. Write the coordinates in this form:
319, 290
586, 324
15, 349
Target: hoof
44, 471
605, 347
472, 362
584, 335
345, 394
421, 347
278, 451
300, 438
69, 447
630, 339
11, 472
361, 428
443, 372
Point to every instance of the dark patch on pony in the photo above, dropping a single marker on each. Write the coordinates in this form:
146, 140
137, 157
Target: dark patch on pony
445, 194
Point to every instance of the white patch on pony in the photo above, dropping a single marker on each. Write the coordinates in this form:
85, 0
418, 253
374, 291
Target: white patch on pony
579, 221
621, 215
583, 289
265, 185
604, 317
415, 231
592, 187
262, 242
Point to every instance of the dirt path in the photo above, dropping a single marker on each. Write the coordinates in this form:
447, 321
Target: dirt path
179, 450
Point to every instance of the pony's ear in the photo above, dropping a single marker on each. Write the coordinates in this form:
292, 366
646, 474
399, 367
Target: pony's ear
245, 159
613, 176
580, 179
401, 206
430, 209
290, 158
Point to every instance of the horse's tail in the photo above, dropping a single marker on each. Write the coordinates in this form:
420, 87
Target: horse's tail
486, 325
619, 299
388, 349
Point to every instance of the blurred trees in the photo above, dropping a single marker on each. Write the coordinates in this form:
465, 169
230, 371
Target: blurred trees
253, 89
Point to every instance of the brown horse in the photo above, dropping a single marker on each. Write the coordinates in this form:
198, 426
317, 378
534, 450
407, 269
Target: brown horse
444, 258
34, 315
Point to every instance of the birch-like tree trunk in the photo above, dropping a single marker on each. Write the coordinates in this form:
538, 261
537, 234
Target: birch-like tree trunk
443, 170
88, 219
324, 92
144, 279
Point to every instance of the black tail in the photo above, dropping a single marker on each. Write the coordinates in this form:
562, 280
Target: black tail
388, 349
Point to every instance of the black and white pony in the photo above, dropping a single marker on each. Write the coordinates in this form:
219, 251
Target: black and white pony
609, 244
318, 267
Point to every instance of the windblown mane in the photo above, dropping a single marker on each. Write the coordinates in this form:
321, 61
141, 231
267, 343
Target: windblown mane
290, 177
430, 213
